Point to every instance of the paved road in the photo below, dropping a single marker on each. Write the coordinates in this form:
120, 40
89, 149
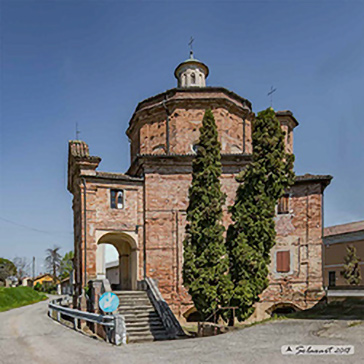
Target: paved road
28, 336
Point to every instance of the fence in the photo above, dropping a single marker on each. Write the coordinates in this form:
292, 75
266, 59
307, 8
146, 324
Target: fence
114, 324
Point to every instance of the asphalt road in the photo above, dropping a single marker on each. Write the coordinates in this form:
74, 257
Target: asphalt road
28, 336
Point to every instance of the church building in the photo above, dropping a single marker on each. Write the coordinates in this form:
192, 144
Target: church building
142, 212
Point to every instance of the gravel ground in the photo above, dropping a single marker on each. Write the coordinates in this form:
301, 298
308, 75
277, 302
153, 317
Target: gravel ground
28, 336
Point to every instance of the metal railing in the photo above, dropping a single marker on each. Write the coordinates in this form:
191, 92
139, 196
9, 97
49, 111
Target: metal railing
170, 323
222, 309
114, 324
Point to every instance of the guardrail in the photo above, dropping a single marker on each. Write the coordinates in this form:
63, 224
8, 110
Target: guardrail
114, 324
222, 309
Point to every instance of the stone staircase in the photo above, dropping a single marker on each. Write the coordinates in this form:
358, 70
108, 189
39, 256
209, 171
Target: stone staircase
142, 321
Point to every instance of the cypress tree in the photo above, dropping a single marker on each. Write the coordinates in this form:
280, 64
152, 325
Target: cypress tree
205, 259
252, 234
351, 270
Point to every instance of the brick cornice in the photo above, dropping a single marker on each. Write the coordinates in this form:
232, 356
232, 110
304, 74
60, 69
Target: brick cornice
174, 161
179, 97
324, 180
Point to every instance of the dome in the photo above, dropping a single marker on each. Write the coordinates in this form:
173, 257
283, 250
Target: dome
191, 73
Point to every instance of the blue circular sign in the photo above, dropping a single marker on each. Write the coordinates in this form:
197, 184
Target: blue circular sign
109, 302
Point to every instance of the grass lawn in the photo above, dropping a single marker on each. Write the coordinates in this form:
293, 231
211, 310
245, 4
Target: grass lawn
18, 296
350, 308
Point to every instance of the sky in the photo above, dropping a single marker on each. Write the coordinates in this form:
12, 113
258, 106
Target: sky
91, 62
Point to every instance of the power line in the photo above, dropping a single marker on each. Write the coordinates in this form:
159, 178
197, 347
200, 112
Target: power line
35, 229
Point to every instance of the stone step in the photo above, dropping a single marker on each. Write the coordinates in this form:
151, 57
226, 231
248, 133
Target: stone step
137, 298
126, 309
139, 324
140, 314
133, 298
144, 338
152, 329
131, 293
131, 319
143, 324
144, 302
140, 321
139, 330
130, 314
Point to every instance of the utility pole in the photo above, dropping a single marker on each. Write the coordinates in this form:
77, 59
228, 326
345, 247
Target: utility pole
33, 268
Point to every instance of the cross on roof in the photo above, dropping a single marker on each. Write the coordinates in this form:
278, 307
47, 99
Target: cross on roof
270, 93
191, 42
77, 132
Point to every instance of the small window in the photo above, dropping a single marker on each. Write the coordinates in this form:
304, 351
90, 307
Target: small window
283, 204
332, 278
117, 199
283, 261
193, 78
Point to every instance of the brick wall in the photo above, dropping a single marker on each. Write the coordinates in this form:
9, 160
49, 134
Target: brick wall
299, 231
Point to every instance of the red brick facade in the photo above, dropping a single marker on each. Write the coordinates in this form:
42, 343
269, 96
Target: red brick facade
162, 132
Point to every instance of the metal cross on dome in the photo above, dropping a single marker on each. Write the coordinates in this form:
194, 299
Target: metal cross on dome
77, 132
270, 93
190, 43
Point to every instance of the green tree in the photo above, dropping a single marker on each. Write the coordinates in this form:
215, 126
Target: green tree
252, 234
53, 261
205, 259
351, 270
7, 269
66, 265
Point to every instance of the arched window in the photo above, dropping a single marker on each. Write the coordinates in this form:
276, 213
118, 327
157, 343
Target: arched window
117, 199
193, 78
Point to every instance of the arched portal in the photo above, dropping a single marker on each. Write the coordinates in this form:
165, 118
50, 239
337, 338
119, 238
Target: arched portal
282, 308
127, 250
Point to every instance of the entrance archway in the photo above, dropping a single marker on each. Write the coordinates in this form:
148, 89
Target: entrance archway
282, 308
127, 268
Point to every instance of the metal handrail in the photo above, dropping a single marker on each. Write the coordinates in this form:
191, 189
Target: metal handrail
169, 320
223, 308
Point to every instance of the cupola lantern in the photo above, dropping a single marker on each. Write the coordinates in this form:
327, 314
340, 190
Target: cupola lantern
191, 73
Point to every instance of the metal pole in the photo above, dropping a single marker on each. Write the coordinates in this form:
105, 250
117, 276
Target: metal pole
144, 233
167, 125
33, 268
